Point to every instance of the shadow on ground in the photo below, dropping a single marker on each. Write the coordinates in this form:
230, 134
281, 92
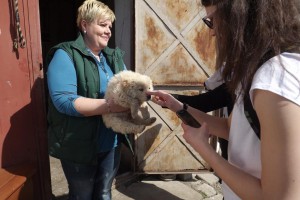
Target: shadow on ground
138, 192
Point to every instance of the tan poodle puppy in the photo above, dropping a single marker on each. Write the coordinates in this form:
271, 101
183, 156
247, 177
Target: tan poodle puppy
128, 89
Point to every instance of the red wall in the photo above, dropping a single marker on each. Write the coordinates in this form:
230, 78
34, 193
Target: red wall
23, 136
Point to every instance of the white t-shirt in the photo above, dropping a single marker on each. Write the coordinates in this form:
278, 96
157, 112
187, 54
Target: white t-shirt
214, 80
244, 146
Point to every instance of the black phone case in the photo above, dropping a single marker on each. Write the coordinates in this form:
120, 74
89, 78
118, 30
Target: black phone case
188, 119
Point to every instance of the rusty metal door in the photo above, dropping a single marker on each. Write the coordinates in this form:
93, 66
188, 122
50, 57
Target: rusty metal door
174, 48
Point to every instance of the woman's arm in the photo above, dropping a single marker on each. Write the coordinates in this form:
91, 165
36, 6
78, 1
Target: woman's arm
91, 107
62, 84
210, 100
280, 137
219, 126
243, 184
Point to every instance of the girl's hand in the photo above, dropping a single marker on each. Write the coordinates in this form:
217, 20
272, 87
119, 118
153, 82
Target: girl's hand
165, 100
196, 137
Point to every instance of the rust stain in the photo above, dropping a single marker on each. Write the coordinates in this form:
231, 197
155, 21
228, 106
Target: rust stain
154, 36
179, 69
177, 8
175, 119
194, 93
205, 45
154, 42
179, 61
145, 59
180, 12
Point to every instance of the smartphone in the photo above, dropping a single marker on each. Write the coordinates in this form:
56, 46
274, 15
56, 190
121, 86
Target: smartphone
188, 119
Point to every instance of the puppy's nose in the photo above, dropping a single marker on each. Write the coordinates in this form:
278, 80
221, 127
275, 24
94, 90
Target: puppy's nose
148, 97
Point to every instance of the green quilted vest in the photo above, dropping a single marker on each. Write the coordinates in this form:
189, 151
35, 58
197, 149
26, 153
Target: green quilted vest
75, 138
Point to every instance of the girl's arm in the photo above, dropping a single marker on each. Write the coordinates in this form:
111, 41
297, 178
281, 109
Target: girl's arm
219, 126
243, 184
280, 137
280, 151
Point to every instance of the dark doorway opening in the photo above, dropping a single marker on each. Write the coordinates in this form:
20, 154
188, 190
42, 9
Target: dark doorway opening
58, 22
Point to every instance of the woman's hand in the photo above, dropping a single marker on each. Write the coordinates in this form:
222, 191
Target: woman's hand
114, 108
165, 100
196, 137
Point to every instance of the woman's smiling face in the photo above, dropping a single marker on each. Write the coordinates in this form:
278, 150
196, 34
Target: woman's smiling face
97, 34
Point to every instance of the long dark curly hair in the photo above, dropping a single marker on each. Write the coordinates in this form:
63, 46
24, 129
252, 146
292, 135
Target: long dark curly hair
249, 32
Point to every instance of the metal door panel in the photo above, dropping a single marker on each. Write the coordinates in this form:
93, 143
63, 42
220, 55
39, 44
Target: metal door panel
157, 38
173, 47
153, 37
178, 68
161, 148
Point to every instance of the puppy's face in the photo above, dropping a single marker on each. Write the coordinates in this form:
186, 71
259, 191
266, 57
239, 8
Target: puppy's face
137, 88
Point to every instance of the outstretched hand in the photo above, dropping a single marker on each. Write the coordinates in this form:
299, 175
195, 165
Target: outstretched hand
165, 100
196, 137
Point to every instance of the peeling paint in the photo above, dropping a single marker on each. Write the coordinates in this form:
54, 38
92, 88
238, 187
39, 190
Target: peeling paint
9, 83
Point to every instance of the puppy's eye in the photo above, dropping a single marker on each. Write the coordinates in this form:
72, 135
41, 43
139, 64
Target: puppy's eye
141, 89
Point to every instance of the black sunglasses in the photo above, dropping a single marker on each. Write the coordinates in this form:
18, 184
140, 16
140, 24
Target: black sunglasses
208, 21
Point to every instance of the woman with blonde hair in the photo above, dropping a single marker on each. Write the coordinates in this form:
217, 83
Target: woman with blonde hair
77, 75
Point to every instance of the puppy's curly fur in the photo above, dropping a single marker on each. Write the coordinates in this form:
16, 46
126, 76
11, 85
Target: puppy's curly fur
128, 89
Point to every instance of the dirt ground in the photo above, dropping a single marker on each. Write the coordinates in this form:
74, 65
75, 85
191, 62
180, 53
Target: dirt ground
143, 187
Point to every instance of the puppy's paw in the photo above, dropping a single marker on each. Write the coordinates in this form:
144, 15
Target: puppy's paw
150, 121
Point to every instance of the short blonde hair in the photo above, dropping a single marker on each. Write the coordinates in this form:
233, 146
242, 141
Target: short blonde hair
92, 10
